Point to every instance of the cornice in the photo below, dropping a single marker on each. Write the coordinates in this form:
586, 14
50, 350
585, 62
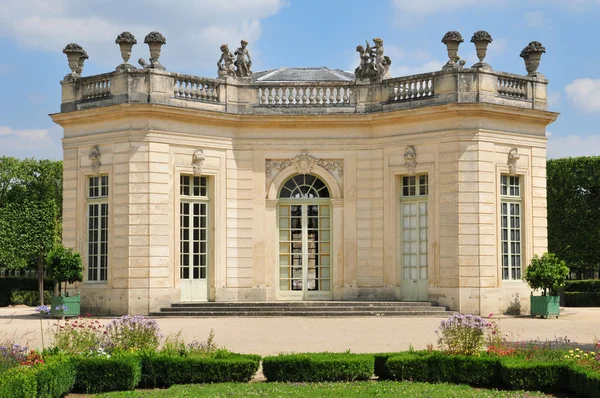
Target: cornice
436, 112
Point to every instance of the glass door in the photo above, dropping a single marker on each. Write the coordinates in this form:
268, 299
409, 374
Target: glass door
305, 251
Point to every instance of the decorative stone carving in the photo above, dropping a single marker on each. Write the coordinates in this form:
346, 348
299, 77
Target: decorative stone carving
126, 40
304, 163
513, 156
452, 40
74, 54
225, 64
155, 41
410, 157
82, 59
481, 39
95, 159
243, 61
198, 161
373, 63
532, 54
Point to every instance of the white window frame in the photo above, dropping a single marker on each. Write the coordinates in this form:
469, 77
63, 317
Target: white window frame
98, 198
511, 242
419, 196
202, 198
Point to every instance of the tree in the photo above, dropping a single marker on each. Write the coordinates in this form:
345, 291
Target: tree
64, 265
27, 233
574, 212
30, 212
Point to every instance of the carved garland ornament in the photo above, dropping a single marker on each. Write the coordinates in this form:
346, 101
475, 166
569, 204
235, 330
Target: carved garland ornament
95, 159
304, 163
410, 157
513, 156
198, 161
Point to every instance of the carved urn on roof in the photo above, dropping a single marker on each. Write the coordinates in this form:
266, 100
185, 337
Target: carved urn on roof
125, 40
75, 55
452, 40
481, 39
532, 54
155, 40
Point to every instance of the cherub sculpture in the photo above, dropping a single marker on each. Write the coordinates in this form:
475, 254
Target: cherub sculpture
225, 63
243, 61
373, 63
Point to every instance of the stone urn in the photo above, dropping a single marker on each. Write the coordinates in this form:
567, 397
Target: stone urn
125, 41
155, 40
74, 53
82, 59
452, 40
481, 39
532, 54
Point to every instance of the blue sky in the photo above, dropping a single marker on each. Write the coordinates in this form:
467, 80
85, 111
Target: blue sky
294, 33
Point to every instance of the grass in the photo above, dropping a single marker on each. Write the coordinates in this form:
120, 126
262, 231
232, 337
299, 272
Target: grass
354, 389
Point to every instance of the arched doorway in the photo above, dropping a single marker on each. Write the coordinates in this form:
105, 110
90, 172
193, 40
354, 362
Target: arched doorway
304, 223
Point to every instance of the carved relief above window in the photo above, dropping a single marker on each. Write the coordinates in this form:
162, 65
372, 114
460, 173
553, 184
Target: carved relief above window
304, 163
95, 159
513, 157
198, 161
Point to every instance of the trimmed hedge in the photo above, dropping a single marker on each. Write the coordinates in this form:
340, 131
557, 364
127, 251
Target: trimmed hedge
518, 374
9, 284
55, 378
98, 374
583, 382
318, 367
19, 382
160, 370
582, 299
585, 285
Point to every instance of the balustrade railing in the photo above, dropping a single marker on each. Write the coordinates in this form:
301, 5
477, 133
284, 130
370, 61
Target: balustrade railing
195, 88
304, 95
95, 87
411, 87
512, 87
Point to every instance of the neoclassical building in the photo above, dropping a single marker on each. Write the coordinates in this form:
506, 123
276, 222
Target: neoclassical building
304, 183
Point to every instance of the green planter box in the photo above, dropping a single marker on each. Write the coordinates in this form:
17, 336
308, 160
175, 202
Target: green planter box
73, 304
544, 306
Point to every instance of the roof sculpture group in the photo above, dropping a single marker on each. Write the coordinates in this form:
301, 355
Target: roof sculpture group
374, 65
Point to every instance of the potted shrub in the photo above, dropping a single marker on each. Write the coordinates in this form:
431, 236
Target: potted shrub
64, 266
548, 274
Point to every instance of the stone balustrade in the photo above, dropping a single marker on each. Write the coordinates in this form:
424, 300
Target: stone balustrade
195, 88
411, 87
96, 87
246, 96
510, 86
300, 94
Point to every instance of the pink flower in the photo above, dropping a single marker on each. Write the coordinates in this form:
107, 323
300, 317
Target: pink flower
491, 314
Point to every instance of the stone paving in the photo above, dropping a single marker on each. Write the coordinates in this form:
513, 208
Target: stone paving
267, 336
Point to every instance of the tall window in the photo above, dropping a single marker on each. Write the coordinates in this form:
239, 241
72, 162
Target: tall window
510, 226
414, 226
193, 232
97, 207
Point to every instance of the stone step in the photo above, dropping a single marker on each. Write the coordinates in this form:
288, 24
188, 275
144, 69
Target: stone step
217, 314
301, 309
365, 304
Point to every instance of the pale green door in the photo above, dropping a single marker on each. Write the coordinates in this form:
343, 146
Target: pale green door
414, 239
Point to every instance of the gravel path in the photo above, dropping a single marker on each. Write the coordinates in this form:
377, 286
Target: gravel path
269, 336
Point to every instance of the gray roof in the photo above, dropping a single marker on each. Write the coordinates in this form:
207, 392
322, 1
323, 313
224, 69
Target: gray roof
302, 75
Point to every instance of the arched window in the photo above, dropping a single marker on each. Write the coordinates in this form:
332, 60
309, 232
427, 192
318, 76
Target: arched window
304, 186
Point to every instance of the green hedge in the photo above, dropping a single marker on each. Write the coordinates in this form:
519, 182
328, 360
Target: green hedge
160, 370
10, 284
19, 382
318, 367
585, 285
583, 382
55, 378
582, 299
518, 374
101, 374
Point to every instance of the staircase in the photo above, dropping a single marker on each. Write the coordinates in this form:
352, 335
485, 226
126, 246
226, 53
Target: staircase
305, 308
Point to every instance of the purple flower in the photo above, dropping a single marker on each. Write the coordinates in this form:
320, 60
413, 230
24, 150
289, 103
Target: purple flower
43, 309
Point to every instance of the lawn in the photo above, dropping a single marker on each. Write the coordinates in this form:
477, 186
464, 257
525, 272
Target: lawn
354, 389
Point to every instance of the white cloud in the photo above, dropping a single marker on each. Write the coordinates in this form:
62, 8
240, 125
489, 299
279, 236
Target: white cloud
427, 7
553, 98
572, 145
30, 134
194, 30
535, 19
584, 94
